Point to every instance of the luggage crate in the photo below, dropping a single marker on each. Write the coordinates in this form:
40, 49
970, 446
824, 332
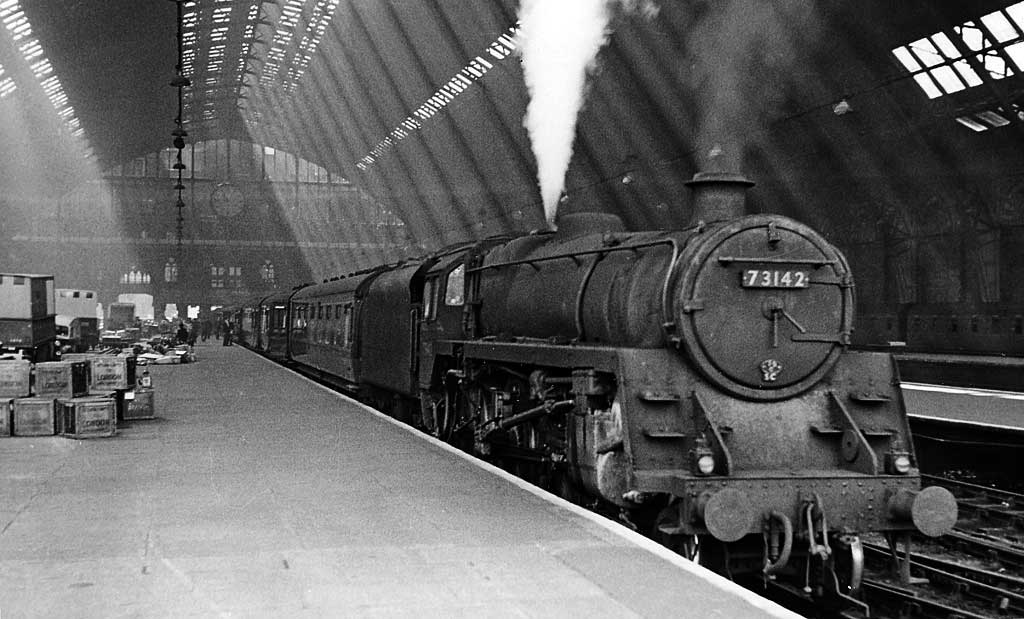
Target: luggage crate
15, 379
110, 373
141, 406
89, 417
34, 417
61, 379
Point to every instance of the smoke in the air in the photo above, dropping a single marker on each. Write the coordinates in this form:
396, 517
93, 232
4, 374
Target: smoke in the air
559, 41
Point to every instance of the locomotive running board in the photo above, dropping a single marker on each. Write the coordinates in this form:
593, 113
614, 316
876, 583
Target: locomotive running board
556, 355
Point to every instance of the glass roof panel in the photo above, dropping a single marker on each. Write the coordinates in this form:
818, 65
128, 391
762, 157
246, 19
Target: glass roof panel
972, 36
967, 73
971, 123
907, 59
926, 52
1016, 13
946, 46
948, 79
1000, 27
936, 60
1016, 53
995, 65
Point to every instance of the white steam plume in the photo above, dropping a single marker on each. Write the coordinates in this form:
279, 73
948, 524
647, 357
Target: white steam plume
559, 41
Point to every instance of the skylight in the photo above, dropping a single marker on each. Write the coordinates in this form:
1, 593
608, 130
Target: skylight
6, 84
986, 119
994, 44
475, 70
20, 31
217, 42
296, 40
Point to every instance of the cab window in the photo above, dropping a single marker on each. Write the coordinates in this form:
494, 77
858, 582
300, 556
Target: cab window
429, 298
454, 293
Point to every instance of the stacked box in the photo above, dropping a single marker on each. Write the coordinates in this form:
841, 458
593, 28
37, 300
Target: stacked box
110, 373
6, 406
77, 356
61, 379
15, 379
86, 417
142, 406
81, 356
34, 417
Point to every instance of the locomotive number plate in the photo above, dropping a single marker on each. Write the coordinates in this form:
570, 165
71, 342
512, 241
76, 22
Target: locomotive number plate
775, 278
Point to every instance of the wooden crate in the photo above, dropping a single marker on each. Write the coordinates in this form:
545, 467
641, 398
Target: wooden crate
89, 417
34, 417
141, 406
15, 379
61, 379
110, 373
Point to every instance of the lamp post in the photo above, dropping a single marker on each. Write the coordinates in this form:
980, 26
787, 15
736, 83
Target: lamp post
180, 82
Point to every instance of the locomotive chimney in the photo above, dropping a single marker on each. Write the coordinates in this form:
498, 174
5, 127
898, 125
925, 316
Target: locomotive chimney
718, 196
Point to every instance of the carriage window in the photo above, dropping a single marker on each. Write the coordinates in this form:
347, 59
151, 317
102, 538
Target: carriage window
319, 311
429, 297
348, 324
454, 292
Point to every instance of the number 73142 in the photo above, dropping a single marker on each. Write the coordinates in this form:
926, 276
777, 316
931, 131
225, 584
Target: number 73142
775, 278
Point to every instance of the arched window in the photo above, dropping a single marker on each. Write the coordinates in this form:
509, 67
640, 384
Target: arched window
171, 271
135, 276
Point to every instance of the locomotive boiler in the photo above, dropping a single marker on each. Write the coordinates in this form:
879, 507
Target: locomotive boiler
695, 384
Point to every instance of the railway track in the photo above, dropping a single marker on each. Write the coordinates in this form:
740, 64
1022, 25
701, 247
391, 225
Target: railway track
975, 571
984, 507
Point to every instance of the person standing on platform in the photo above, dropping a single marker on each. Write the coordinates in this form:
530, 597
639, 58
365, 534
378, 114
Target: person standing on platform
228, 332
182, 335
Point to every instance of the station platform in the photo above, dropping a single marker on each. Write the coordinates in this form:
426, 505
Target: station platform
256, 493
995, 372
1001, 410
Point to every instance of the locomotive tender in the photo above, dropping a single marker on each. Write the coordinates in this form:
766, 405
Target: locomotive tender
695, 381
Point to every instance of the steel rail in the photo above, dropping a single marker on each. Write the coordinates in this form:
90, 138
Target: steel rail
1007, 555
909, 603
990, 588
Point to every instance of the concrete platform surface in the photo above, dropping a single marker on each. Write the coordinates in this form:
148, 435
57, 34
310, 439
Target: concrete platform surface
258, 494
981, 407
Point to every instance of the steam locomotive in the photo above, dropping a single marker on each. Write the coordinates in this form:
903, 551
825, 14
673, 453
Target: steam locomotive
695, 383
